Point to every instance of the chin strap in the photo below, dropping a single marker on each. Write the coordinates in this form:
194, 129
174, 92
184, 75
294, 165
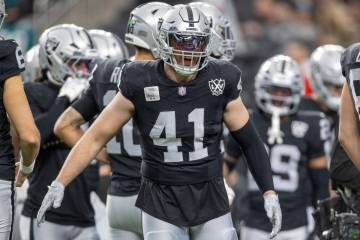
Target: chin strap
275, 135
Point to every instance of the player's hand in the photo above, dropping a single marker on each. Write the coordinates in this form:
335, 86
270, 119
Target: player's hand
230, 193
73, 87
53, 198
273, 211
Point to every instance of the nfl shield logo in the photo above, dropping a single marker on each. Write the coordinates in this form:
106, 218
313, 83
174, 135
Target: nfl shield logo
182, 91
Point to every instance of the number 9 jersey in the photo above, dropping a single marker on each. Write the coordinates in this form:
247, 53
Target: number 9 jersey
181, 128
12, 63
304, 135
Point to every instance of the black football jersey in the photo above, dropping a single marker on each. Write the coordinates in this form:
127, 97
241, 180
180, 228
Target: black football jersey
76, 208
350, 64
11, 63
181, 128
302, 141
309, 104
124, 149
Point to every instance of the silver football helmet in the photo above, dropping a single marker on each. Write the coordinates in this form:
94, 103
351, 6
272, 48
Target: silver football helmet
326, 77
67, 50
2, 12
32, 69
222, 42
142, 25
108, 44
184, 35
278, 85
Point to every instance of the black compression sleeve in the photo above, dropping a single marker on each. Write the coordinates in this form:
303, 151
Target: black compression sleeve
45, 122
320, 182
256, 155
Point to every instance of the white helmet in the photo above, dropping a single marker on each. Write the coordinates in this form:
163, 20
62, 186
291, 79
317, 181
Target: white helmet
108, 44
278, 73
2, 12
32, 69
63, 49
183, 36
142, 25
325, 71
222, 42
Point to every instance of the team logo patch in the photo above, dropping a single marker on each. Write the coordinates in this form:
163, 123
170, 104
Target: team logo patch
152, 94
217, 86
182, 91
299, 129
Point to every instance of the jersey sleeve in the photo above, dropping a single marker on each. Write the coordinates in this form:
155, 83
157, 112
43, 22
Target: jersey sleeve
86, 105
125, 82
11, 60
318, 133
233, 84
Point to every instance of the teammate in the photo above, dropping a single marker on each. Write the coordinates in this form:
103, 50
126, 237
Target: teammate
349, 132
179, 104
124, 150
293, 139
326, 81
67, 59
14, 107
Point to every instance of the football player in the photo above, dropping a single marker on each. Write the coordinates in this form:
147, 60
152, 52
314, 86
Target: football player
124, 150
349, 131
327, 81
179, 104
14, 107
67, 59
295, 146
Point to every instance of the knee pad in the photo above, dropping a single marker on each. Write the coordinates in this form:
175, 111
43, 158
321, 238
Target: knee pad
161, 235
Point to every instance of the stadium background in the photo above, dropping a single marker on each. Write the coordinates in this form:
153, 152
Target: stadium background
262, 28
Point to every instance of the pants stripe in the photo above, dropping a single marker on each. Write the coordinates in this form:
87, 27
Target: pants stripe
31, 229
12, 209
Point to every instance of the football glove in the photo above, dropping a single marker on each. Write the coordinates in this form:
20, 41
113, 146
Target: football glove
273, 211
73, 87
53, 198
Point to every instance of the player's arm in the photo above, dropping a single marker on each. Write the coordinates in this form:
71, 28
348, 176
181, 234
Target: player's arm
68, 128
349, 129
236, 118
243, 131
18, 110
319, 175
112, 118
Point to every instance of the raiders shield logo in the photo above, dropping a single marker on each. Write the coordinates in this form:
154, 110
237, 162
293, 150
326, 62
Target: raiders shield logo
299, 129
217, 86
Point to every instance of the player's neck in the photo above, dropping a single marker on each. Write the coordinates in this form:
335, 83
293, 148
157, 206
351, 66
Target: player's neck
173, 75
142, 56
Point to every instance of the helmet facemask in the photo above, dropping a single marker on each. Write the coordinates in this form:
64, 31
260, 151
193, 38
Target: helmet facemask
280, 99
186, 52
78, 64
